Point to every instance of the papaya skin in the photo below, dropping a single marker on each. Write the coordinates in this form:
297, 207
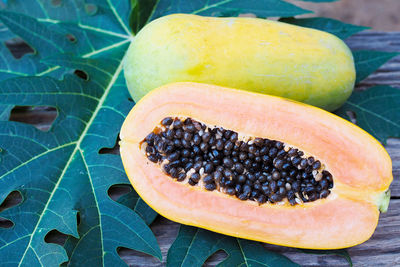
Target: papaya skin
361, 168
252, 54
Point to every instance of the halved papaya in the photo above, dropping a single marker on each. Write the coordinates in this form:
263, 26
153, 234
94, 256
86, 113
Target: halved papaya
255, 166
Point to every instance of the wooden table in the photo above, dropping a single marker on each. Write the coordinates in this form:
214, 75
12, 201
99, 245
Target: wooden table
383, 249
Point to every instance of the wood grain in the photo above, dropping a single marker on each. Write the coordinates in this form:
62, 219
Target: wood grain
383, 249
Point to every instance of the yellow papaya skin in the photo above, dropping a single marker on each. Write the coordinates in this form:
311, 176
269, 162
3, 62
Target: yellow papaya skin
252, 54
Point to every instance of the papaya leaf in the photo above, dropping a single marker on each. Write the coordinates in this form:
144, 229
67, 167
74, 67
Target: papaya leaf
261, 8
193, 246
141, 12
133, 201
60, 173
5, 33
369, 61
336, 27
339, 252
5, 111
46, 41
103, 16
67, 28
377, 111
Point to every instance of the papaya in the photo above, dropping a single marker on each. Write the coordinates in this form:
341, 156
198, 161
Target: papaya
252, 54
255, 166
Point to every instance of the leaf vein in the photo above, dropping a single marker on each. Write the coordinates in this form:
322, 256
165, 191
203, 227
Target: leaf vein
35, 157
373, 114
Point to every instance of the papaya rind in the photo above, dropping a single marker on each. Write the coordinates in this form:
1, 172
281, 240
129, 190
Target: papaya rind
275, 58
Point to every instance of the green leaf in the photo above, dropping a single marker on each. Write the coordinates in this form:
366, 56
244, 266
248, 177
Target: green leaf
369, 61
5, 111
193, 246
336, 27
318, 1
45, 41
5, 33
104, 16
339, 252
44, 29
60, 173
377, 111
47, 33
133, 201
261, 8
141, 12
255, 255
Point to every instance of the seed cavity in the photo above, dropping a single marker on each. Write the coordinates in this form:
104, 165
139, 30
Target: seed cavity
255, 169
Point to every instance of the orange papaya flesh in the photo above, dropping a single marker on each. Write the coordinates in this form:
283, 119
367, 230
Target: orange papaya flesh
360, 167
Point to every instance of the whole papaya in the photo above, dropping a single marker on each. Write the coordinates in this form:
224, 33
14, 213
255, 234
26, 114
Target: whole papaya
252, 54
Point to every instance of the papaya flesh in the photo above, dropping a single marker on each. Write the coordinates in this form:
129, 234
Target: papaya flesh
252, 54
360, 167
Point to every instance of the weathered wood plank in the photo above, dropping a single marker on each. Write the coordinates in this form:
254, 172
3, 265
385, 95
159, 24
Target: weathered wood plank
381, 250
393, 147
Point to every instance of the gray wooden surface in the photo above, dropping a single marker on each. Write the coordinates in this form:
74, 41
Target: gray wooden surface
383, 249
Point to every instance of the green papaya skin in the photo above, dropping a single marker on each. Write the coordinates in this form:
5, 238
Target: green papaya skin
252, 54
